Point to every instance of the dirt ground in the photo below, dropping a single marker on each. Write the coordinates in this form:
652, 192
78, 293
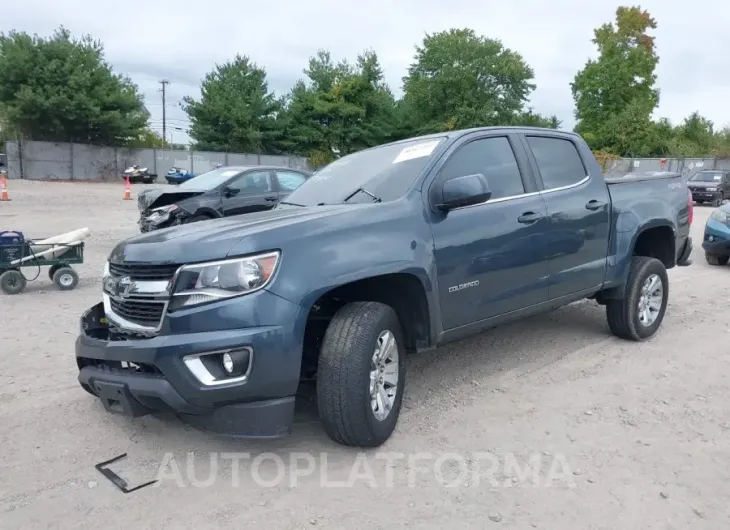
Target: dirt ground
546, 423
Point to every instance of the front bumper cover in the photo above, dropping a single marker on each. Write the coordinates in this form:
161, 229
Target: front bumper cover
135, 376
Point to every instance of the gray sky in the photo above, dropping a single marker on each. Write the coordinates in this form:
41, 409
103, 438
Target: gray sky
181, 40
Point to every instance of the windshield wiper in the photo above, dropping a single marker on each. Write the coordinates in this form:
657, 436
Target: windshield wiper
292, 204
366, 192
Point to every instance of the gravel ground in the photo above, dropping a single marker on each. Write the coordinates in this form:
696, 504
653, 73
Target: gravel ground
546, 423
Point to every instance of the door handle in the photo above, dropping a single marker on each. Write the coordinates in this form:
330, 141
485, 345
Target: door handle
270, 199
595, 205
529, 217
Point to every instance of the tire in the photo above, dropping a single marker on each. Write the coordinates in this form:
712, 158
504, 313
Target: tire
66, 278
196, 218
624, 317
52, 270
714, 259
12, 282
717, 202
344, 387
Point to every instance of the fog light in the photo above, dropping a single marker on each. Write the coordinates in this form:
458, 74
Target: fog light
228, 363
221, 367
236, 362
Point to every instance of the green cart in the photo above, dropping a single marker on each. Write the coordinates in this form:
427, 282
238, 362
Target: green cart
15, 257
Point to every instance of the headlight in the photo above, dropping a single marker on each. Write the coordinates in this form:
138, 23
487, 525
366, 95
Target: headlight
719, 215
711, 189
106, 270
161, 214
207, 282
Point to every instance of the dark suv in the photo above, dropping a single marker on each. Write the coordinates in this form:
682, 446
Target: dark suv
711, 185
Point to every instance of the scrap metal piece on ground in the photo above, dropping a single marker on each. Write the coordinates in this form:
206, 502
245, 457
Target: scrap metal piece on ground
118, 481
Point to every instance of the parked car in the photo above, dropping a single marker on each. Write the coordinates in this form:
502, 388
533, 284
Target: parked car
716, 241
222, 192
711, 185
391, 250
178, 175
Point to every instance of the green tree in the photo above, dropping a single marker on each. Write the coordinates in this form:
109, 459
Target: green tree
461, 80
62, 89
340, 108
615, 94
150, 139
236, 111
530, 118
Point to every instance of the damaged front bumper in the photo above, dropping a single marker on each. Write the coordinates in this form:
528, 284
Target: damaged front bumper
135, 376
163, 217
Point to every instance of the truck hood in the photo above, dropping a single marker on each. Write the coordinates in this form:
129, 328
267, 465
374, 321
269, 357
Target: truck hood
154, 198
214, 239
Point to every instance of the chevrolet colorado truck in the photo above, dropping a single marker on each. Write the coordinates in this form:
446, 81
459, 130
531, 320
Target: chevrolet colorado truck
391, 250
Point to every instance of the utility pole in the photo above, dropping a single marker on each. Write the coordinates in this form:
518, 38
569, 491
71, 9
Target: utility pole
164, 83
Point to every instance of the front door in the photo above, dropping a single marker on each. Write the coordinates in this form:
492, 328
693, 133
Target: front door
490, 257
253, 191
579, 210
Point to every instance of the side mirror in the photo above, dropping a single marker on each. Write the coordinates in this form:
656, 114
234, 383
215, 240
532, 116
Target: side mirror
230, 192
464, 191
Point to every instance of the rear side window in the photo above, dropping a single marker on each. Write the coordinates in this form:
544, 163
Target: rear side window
289, 180
558, 161
493, 158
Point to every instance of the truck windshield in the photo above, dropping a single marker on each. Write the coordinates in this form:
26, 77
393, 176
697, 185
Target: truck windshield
386, 172
707, 176
209, 180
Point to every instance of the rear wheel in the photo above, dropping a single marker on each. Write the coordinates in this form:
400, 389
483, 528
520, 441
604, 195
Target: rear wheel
66, 278
12, 282
714, 259
361, 375
640, 313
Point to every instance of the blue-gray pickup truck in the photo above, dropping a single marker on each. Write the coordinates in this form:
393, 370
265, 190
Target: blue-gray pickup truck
395, 249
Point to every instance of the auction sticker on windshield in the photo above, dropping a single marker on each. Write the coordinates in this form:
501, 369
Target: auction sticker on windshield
416, 151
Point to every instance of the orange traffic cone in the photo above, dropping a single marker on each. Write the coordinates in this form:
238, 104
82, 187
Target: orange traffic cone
127, 190
4, 189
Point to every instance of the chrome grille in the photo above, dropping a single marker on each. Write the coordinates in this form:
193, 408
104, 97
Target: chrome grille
136, 295
144, 272
142, 312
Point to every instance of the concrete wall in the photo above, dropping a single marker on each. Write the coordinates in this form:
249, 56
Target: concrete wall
65, 161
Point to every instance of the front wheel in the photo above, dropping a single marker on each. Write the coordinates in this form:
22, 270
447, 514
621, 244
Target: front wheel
361, 374
714, 259
640, 313
196, 218
718, 201
12, 282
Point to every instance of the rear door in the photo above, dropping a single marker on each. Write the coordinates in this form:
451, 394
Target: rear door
254, 191
288, 181
579, 214
489, 256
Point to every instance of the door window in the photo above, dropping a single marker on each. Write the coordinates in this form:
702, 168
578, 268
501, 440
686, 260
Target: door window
253, 183
289, 180
558, 161
492, 157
